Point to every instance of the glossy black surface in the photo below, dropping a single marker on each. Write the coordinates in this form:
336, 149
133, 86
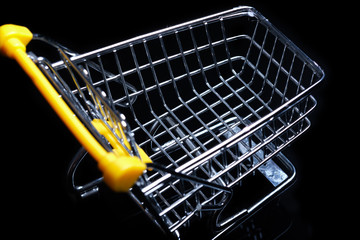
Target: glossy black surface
36, 146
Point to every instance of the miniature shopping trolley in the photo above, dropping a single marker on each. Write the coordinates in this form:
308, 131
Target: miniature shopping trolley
185, 119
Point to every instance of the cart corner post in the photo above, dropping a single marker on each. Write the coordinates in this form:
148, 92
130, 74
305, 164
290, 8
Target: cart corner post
12, 38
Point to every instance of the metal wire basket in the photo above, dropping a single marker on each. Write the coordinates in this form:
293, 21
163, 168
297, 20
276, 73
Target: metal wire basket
212, 102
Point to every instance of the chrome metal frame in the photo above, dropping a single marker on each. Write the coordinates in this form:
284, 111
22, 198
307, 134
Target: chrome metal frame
212, 101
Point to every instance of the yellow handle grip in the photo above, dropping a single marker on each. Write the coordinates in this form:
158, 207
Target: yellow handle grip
13, 38
120, 171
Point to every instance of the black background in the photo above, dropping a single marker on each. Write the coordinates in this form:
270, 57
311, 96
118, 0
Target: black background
36, 146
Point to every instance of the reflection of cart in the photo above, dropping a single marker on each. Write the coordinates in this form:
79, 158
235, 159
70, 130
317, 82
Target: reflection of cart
211, 104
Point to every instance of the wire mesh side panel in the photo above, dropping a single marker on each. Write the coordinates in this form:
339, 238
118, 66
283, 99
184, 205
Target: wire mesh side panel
213, 98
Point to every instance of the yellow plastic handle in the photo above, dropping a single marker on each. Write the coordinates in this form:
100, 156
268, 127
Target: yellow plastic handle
120, 170
13, 38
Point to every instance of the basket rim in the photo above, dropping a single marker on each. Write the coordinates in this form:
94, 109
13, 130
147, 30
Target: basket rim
237, 11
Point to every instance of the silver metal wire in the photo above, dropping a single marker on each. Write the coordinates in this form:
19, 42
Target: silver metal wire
211, 101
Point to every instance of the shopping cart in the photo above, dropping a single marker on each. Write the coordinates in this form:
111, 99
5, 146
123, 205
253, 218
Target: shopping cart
209, 105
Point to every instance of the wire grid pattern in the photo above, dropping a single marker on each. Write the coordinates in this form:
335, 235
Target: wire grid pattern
189, 89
